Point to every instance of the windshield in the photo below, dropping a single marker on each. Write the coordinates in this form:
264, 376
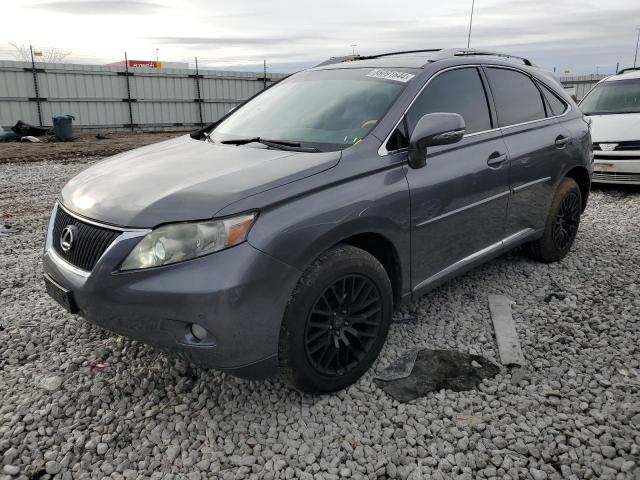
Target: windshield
325, 109
615, 96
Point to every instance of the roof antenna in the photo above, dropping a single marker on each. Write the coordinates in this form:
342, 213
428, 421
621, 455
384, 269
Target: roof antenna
470, 23
635, 58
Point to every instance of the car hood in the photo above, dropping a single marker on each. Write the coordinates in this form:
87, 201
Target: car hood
615, 128
183, 179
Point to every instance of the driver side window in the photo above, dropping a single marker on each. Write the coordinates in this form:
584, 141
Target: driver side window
458, 91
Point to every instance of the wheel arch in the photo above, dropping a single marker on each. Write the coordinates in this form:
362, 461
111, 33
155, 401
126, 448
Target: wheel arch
300, 244
583, 179
386, 253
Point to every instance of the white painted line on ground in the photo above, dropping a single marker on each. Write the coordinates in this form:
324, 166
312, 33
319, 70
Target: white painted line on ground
505, 328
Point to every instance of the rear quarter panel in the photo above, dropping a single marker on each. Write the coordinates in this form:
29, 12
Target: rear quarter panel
582, 146
580, 149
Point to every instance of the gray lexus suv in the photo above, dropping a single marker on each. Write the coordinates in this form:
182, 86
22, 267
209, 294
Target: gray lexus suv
281, 238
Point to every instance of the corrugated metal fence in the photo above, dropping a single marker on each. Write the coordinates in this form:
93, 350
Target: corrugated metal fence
112, 97
581, 84
104, 96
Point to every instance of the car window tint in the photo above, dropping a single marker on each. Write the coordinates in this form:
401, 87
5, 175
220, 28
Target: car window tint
557, 106
517, 99
457, 91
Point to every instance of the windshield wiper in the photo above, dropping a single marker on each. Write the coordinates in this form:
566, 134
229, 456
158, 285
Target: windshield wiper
279, 144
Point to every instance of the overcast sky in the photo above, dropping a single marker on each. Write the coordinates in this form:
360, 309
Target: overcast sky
579, 35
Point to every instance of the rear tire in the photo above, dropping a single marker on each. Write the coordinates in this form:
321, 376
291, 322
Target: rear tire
562, 224
336, 321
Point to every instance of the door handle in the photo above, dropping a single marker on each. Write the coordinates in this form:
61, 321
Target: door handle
496, 159
561, 141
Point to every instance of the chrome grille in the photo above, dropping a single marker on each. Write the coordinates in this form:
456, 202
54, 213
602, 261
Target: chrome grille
616, 177
89, 244
617, 158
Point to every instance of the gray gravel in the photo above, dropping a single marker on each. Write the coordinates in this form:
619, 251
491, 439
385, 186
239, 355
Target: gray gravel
574, 414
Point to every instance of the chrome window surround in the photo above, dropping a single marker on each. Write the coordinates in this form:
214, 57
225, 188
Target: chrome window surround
126, 234
382, 151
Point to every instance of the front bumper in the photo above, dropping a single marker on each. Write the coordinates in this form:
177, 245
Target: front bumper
618, 167
238, 295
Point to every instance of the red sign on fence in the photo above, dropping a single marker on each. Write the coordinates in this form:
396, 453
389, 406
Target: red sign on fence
138, 63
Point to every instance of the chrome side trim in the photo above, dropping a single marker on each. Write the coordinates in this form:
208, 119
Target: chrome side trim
518, 236
466, 207
460, 264
530, 184
382, 151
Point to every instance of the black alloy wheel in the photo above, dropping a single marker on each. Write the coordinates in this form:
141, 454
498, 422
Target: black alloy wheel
566, 225
343, 325
336, 321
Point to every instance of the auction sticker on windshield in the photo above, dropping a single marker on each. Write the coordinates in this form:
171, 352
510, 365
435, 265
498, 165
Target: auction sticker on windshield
390, 75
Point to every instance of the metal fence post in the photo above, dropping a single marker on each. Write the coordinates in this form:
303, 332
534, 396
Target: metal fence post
264, 74
199, 99
35, 85
126, 76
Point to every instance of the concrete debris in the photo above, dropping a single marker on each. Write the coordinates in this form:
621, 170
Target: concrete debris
505, 330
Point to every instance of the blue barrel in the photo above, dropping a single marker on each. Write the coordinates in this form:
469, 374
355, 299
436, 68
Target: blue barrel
62, 127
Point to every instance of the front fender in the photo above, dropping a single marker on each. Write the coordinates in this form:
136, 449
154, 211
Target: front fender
297, 230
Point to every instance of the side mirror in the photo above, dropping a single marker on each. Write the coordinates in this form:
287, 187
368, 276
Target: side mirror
431, 130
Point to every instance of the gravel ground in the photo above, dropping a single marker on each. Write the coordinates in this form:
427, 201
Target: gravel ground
76, 402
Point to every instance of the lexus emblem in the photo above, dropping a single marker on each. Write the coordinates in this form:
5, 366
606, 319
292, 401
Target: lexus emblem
67, 238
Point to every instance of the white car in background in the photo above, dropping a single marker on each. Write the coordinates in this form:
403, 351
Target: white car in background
613, 106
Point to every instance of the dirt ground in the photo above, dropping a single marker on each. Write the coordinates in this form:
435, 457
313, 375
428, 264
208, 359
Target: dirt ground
85, 145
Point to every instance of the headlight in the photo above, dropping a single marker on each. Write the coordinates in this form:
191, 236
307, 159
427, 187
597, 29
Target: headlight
182, 241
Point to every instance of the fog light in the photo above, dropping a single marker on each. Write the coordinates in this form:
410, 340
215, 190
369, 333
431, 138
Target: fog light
198, 332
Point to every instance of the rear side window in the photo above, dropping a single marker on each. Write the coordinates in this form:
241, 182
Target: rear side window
556, 105
517, 99
457, 91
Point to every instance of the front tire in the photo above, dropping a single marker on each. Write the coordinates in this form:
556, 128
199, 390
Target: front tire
562, 224
336, 321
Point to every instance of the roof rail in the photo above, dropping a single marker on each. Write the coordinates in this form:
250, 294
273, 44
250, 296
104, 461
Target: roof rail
334, 60
464, 53
402, 52
439, 54
629, 69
